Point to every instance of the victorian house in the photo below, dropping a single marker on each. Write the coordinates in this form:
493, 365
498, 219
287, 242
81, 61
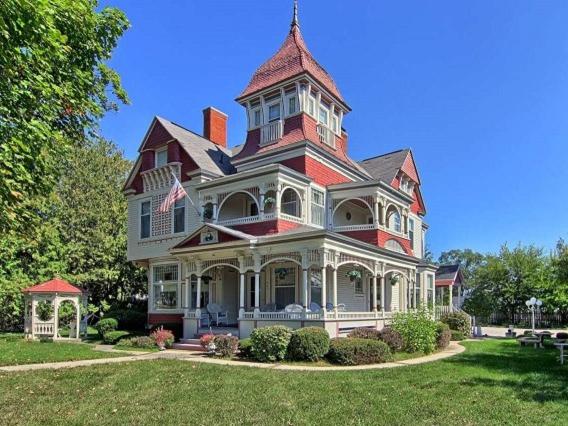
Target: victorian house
285, 228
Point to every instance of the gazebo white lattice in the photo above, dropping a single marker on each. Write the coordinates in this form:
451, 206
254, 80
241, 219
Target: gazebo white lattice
54, 292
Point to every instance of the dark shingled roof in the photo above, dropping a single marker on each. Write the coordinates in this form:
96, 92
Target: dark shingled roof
386, 166
207, 155
447, 272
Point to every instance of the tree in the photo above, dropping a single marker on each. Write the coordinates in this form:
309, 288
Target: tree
54, 87
468, 260
554, 282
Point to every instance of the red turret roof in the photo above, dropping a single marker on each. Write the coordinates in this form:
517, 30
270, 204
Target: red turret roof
56, 285
292, 59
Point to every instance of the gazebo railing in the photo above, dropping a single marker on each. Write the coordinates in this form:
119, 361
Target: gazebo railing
44, 328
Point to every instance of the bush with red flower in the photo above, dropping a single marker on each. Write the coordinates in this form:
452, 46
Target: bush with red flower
163, 338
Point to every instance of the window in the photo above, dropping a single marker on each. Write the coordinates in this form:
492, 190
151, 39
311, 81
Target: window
145, 219
394, 221
179, 216
318, 207
274, 112
411, 231
161, 157
256, 117
284, 286
291, 105
335, 123
312, 106
165, 281
430, 290
315, 286
359, 286
323, 115
252, 292
290, 204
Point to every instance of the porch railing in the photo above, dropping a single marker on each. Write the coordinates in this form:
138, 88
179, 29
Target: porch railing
271, 132
291, 218
239, 220
362, 227
326, 135
315, 315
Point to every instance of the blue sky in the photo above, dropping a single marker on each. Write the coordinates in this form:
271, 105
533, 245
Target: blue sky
478, 90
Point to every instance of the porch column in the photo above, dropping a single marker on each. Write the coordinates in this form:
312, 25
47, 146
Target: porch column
451, 286
215, 212
383, 213
198, 298
334, 289
374, 278
187, 293
261, 206
78, 331
376, 212
382, 294
305, 289
324, 289
256, 292
414, 294
242, 295
55, 316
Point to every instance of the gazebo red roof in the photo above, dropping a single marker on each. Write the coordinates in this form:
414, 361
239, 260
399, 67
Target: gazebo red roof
292, 59
56, 285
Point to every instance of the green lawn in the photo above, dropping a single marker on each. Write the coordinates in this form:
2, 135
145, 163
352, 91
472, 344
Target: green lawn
493, 382
15, 350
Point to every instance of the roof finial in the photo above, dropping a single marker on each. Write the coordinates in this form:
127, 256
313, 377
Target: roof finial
295, 17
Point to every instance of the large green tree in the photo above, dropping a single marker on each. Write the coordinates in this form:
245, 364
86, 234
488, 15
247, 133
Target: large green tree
54, 87
468, 259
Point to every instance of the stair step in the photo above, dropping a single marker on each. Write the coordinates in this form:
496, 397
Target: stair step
188, 347
190, 341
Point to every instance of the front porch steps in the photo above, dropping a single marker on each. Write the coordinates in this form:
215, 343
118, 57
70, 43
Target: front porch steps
188, 345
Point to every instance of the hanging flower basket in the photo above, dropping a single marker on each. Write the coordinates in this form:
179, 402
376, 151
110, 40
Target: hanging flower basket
269, 201
281, 273
394, 279
206, 278
354, 275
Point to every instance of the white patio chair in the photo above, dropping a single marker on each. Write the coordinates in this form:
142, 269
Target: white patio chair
294, 311
314, 307
205, 320
340, 307
219, 313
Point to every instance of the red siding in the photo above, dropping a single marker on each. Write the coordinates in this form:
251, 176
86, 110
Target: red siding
322, 174
267, 227
165, 318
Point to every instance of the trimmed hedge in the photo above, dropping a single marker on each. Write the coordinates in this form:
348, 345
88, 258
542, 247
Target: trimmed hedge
365, 333
308, 344
392, 338
145, 342
457, 335
458, 321
353, 351
112, 337
270, 343
105, 325
443, 335
245, 348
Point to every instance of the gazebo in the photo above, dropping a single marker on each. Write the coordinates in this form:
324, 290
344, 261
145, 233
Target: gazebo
42, 302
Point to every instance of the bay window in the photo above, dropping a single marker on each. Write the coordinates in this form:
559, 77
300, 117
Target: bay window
323, 115
165, 286
318, 207
274, 112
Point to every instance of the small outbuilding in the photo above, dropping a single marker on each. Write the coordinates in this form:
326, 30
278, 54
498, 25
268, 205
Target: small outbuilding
43, 303
449, 287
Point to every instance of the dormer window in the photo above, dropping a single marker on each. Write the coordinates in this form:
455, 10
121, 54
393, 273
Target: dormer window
323, 115
256, 117
161, 157
292, 104
274, 112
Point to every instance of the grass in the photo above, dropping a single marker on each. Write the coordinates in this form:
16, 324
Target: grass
493, 382
14, 350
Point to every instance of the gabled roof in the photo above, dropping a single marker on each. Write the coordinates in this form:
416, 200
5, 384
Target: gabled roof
385, 167
207, 155
448, 275
233, 233
292, 59
56, 285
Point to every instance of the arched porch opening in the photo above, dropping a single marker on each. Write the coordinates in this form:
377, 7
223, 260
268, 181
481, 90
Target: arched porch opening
353, 212
291, 202
238, 205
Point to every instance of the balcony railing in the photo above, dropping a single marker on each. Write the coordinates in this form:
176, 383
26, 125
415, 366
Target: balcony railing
239, 220
271, 132
362, 227
326, 135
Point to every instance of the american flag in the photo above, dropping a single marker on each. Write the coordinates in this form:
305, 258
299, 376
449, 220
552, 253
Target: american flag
176, 193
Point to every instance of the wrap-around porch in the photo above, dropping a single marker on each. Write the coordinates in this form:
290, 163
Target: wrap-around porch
313, 287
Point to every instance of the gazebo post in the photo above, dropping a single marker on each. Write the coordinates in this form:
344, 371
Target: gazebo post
78, 323
56, 317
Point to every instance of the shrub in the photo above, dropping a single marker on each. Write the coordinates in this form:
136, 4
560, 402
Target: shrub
270, 343
365, 333
105, 325
417, 329
392, 338
112, 337
245, 348
144, 342
206, 339
226, 345
308, 344
163, 338
459, 321
562, 335
443, 335
44, 310
175, 328
457, 335
354, 351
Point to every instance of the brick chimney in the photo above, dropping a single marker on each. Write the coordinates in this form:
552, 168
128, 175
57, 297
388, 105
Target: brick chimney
215, 126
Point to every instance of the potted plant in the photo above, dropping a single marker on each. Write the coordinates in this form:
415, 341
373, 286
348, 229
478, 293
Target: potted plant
207, 342
353, 275
269, 201
281, 273
394, 279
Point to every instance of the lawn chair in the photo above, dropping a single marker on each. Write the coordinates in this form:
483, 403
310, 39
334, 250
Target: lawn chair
218, 313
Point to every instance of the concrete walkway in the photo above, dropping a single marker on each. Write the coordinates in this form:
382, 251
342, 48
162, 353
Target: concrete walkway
452, 350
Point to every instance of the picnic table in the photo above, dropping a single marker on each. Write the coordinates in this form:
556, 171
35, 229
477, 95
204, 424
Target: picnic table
561, 346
